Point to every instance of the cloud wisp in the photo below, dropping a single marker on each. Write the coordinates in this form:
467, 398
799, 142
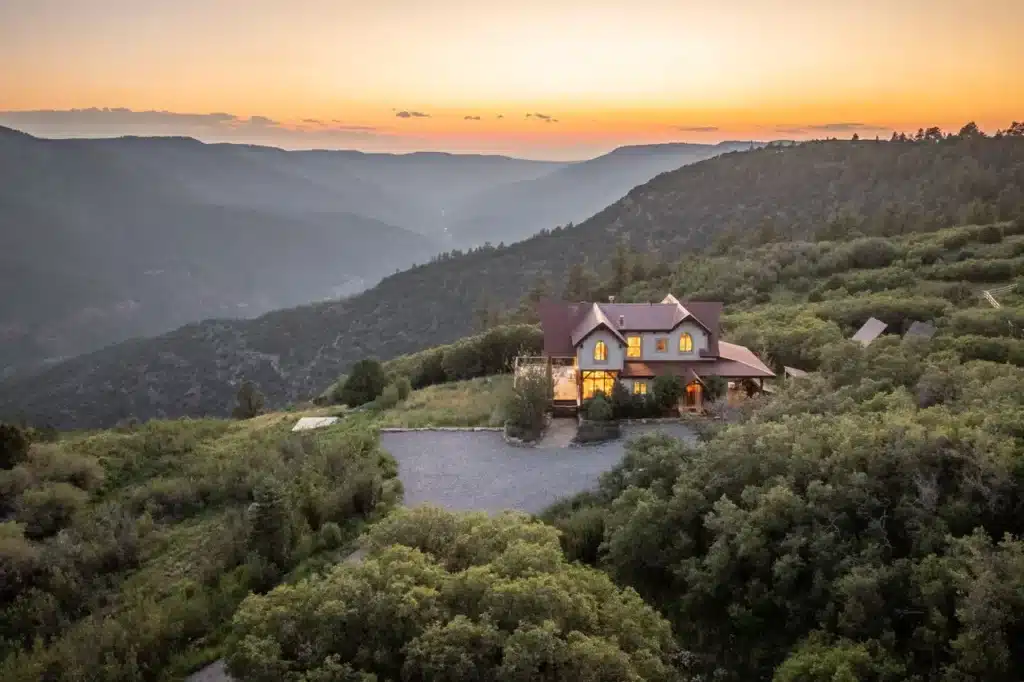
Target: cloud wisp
412, 114
546, 118
697, 129
470, 118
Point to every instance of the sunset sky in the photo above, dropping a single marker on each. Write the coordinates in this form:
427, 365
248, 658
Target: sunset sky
542, 79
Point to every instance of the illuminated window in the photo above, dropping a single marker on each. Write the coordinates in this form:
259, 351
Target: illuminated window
633, 351
639, 388
685, 343
661, 345
597, 381
600, 351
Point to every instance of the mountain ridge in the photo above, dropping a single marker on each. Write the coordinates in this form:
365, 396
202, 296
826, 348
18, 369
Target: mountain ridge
791, 193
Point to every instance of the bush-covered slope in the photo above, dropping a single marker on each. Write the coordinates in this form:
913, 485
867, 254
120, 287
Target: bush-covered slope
824, 189
123, 553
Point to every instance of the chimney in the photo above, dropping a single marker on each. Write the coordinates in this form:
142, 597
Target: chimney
611, 299
622, 321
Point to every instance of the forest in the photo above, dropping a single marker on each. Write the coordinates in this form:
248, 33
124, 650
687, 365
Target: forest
810, 192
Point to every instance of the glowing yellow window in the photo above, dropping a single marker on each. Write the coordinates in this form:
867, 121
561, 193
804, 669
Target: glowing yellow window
600, 351
661, 345
639, 388
633, 350
685, 343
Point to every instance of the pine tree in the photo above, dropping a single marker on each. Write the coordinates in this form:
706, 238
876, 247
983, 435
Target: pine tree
271, 534
620, 267
250, 401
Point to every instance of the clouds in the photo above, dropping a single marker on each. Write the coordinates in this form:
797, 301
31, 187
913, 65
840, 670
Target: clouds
116, 116
542, 117
808, 128
211, 127
697, 129
470, 118
411, 114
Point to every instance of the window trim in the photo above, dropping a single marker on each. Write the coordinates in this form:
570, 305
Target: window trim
603, 355
661, 344
630, 347
637, 385
685, 336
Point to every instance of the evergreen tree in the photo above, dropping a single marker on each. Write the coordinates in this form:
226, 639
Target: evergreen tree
579, 285
620, 267
13, 446
249, 401
271, 534
365, 382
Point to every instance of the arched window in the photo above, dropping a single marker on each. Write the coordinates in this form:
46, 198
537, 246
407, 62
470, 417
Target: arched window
600, 351
685, 343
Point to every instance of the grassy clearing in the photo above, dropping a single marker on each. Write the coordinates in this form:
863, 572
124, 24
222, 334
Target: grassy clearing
475, 402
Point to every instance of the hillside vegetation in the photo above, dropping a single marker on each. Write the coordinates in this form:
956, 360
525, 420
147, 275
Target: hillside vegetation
813, 191
861, 523
109, 239
123, 553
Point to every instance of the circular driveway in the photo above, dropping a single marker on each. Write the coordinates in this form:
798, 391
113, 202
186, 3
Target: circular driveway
477, 470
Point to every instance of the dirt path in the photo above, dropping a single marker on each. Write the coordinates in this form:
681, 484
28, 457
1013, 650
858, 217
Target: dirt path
559, 433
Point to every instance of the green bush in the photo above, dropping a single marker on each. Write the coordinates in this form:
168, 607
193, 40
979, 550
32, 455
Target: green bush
249, 401
525, 406
13, 446
365, 382
49, 508
599, 409
667, 391
453, 597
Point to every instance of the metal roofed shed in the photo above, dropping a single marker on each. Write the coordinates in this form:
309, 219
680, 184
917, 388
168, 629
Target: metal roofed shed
924, 330
310, 423
794, 373
870, 331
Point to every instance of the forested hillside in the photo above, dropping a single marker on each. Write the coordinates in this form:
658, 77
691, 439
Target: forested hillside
117, 238
730, 204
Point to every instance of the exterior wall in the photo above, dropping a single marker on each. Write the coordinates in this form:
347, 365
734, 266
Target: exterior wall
649, 339
628, 384
616, 353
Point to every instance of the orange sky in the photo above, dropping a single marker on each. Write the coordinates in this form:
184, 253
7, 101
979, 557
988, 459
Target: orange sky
604, 73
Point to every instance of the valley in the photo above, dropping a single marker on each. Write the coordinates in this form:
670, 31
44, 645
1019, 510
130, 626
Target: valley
115, 239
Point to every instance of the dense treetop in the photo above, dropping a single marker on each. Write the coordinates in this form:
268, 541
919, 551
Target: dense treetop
450, 597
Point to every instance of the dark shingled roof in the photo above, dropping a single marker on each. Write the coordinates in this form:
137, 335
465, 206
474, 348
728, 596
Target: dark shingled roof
564, 322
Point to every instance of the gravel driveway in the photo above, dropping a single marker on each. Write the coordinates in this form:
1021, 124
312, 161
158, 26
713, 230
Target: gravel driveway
479, 471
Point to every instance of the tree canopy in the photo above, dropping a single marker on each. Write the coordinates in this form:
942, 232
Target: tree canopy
453, 597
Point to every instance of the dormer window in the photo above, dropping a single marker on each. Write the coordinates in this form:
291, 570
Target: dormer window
685, 343
661, 345
600, 352
633, 347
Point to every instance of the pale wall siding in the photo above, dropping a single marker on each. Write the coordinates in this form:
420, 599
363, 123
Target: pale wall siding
648, 339
616, 353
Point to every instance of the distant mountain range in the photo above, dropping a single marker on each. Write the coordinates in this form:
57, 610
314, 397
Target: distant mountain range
768, 194
108, 239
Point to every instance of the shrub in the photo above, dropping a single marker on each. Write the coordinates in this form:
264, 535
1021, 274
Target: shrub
249, 401
404, 387
389, 398
667, 390
989, 234
715, 387
331, 536
365, 382
49, 508
526, 405
13, 446
599, 409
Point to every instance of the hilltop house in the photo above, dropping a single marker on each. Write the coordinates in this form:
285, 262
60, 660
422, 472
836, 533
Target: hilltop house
593, 345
